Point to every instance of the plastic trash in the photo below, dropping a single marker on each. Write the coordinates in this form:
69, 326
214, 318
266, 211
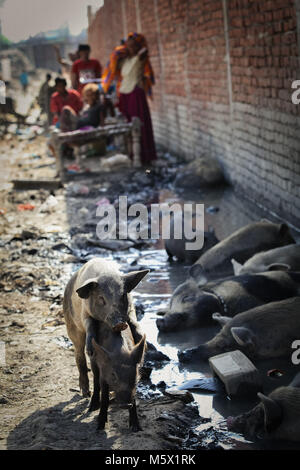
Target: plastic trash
49, 204
103, 202
73, 169
26, 207
212, 209
63, 342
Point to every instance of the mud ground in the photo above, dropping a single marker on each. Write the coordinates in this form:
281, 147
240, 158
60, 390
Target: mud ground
40, 403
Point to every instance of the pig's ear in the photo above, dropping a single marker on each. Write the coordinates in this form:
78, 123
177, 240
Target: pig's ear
296, 381
272, 412
236, 266
138, 351
197, 273
100, 351
266, 220
243, 336
278, 267
85, 290
284, 230
222, 320
131, 280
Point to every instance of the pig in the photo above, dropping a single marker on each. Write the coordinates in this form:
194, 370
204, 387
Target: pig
115, 364
244, 243
98, 292
283, 258
193, 302
177, 247
277, 416
264, 332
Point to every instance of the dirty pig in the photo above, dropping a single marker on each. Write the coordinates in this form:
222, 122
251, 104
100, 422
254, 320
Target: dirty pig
286, 258
277, 416
115, 364
193, 302
176, 247
244, 243
98, 292
263, 332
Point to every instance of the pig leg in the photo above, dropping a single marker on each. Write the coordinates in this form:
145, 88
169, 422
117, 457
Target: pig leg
83, 370
135, 330
95, 401
91, 326
134, 326
102, 418
133, 418
78, 339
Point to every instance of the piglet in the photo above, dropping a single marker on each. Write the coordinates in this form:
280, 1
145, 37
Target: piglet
115, 363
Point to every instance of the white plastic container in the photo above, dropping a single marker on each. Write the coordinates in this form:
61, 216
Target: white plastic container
237, 372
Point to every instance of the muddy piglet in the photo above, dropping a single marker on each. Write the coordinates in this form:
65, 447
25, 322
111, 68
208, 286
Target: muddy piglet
264, 332
98, 292
277, 416
115, 363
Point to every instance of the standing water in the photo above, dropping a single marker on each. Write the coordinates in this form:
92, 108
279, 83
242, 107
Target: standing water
225, 212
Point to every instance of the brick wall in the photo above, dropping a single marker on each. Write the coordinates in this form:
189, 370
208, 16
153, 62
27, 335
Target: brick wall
223, 70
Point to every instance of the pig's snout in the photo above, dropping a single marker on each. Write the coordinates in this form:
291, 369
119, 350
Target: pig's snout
171, 322
160, 323
192, 354
230, 422
120, 326
186, 356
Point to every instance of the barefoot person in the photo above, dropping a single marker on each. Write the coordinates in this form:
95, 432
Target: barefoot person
130, 65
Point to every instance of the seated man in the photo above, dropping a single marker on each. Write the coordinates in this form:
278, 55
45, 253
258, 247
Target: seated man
84, 68
94, 114
62, 99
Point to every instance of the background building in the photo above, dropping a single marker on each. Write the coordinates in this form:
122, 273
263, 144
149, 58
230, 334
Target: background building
224, 71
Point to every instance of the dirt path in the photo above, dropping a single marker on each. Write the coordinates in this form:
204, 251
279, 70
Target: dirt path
40, 404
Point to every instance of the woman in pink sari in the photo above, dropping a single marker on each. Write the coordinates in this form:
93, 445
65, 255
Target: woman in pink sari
130, 66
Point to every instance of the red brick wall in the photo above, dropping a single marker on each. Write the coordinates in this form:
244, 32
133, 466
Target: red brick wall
223, 70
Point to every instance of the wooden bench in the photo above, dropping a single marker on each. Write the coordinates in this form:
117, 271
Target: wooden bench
131, 132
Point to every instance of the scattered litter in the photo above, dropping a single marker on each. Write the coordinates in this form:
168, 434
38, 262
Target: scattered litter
73, 169
83, 212
212, 209
79, 189
49, 204
52, 323
237, 372
113, 245
182, 395
53, 229
209, 384
26, 207
63, 342
115, 161
103, 202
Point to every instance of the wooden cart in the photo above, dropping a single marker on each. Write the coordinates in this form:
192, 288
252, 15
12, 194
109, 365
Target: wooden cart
131, 132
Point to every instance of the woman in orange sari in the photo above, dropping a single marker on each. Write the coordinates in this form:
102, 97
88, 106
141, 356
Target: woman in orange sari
130, 66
